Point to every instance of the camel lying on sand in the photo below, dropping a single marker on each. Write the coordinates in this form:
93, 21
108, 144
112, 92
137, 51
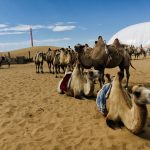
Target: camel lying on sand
80, 84
131, 111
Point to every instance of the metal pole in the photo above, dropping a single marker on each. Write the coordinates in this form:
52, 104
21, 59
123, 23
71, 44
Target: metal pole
31, 37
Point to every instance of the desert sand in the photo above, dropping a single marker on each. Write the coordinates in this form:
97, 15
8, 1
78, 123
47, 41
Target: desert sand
33, 116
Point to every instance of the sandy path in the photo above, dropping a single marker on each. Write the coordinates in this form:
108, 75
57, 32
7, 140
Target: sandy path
34, 117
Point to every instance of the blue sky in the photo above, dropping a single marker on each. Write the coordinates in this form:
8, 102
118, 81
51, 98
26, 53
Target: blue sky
66, 22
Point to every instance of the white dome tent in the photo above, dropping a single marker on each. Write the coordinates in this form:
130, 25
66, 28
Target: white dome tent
134, 35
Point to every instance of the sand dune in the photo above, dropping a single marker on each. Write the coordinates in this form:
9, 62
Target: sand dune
35, 117
25, 51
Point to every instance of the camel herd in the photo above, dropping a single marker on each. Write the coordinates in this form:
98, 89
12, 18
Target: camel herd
121, 106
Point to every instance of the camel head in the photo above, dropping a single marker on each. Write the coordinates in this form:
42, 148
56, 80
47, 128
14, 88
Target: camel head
92, 74
141, 94
116, 43
79, 48
100, 41
49, 49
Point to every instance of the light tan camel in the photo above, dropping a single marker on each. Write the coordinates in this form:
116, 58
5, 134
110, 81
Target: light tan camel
65, 58
80, 84
131, 111
38, 60
49, 58
104, 56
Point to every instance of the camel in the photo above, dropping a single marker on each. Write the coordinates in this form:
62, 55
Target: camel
80, 84
5, 59
130, 110
104, 56
56, 63
49, 58
39, 58
65, 58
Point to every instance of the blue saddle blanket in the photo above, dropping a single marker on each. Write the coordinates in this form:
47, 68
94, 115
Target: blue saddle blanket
102, 95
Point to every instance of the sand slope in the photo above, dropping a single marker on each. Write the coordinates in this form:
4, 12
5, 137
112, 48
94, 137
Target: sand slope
25, 51
34, 117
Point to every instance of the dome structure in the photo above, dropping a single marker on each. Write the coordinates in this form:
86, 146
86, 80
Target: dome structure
134, 35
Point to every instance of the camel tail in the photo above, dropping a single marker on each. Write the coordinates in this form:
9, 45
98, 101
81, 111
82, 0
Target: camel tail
132, 66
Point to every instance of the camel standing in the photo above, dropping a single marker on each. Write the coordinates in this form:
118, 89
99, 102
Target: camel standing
49, 58
39, 58
56, 63
103, 56
65, 58
131, 111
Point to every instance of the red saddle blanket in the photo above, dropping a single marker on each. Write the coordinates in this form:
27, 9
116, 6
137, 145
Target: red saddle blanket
64, 83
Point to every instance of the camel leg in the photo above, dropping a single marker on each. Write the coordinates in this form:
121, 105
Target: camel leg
41, 67
53, 68
38, 66
101, 78
56, 67
8, 64
50, 68
127, 76
122, 71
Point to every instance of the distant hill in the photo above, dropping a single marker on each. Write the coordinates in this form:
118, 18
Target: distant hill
25, 51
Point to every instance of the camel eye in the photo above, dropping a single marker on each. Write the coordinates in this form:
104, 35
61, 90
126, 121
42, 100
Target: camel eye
137, 94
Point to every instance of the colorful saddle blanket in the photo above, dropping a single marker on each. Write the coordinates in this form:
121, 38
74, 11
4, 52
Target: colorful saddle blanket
64, 83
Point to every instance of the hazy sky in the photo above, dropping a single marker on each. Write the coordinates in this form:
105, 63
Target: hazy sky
66, 22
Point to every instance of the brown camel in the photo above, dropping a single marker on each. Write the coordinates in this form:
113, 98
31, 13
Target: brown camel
80, 84
131, 111
104, 56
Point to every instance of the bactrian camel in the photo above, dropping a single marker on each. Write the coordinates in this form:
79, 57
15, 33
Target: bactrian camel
104, 56
80, 84
38, 59
131, 111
